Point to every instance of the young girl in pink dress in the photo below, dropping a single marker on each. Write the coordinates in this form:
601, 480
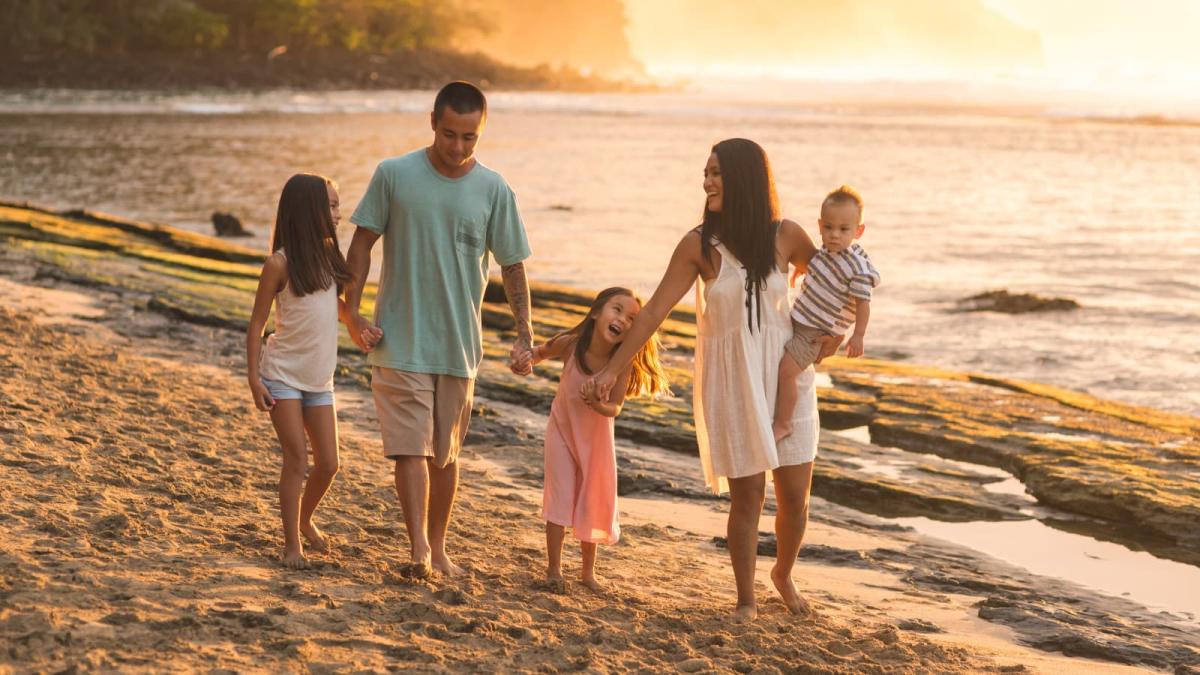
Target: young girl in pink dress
581, 463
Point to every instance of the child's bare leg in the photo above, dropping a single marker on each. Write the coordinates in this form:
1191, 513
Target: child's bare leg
587, 573
289, 427
554, 544
321, 424
786, 397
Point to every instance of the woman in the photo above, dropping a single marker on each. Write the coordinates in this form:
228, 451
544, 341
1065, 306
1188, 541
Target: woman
740, 254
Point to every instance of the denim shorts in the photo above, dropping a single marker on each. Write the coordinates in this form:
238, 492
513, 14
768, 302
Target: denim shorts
308, 399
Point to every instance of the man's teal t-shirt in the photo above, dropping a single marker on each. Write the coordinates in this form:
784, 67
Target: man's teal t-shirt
438, 233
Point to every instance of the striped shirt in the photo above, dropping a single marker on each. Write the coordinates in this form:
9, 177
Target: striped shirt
833, 281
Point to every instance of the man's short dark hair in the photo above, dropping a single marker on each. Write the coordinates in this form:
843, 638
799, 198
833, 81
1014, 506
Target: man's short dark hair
461, 97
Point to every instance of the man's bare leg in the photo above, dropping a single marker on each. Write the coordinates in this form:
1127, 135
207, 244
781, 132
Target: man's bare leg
792, 485
443, 488
787, 395
746, 496
412, 487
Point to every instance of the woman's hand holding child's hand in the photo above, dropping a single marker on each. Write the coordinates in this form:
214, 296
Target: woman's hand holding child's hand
587, 391
599, 385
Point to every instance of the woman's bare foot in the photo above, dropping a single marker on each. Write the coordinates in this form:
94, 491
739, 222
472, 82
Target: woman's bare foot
745, 613
787, 591
443, 564
315, 538
294, 559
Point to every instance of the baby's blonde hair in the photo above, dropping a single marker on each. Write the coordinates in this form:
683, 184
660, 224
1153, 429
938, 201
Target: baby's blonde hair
843, 195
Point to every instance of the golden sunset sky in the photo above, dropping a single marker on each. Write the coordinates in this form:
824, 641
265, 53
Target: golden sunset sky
1130, 48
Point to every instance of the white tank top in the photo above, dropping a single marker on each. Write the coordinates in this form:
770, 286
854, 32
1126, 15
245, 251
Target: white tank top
302, 352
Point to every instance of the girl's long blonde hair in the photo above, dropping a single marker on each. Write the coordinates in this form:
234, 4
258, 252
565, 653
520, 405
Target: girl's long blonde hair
646, 377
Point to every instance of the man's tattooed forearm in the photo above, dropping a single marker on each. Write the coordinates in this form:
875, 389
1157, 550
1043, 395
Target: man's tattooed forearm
516, 287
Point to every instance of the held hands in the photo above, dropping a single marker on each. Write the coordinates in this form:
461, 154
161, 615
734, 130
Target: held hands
854, 348
520, 360
363, 333
262, 398
597, 387
587, 391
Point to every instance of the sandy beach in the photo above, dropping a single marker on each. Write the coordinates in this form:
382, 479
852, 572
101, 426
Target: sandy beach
142, 534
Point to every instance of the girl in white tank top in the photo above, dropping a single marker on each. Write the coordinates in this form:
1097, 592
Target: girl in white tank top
293, 377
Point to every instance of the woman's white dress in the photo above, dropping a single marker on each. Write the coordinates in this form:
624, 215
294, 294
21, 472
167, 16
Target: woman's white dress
737, 374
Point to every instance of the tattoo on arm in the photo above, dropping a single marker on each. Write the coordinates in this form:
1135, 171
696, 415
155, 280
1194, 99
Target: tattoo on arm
516, 287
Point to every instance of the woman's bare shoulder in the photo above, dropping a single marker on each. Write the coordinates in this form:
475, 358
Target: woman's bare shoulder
792, 237
789, 228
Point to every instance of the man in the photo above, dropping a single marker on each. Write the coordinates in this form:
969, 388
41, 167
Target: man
440, 213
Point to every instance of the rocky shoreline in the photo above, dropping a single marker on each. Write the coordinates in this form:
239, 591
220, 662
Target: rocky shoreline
1132, 470
1126, 474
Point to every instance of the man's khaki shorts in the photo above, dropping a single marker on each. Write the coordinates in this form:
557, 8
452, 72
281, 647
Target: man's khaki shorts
422, 415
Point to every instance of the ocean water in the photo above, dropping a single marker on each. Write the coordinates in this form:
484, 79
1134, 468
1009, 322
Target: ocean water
958, 202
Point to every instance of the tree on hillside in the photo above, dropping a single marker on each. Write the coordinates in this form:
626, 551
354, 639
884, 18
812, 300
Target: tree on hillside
121, 26
92, 26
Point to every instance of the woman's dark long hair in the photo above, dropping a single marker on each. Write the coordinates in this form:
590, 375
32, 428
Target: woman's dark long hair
748, 219
304, 229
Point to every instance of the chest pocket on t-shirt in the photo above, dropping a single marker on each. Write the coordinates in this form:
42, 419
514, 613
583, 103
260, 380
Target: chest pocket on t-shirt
470, 236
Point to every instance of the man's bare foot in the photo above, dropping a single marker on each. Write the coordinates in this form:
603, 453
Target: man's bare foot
294, 559
315, 538
745, 613
781, 430
593, 584
787, 591
443, 564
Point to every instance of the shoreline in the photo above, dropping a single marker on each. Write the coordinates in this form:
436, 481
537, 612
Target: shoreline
179, 297
311, 71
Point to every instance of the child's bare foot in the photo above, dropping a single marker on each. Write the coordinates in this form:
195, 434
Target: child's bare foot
315, 538
787, 591
593, 584
417, 569
555, 582
781, 430
745, 613
294, 559
443, 564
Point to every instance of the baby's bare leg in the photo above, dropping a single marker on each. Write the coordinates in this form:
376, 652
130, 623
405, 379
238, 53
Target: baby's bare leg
587, 573
786, 397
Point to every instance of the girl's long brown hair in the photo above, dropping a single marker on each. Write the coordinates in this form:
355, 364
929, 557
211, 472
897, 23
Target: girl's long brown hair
748, 219
304, 229
646, 376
